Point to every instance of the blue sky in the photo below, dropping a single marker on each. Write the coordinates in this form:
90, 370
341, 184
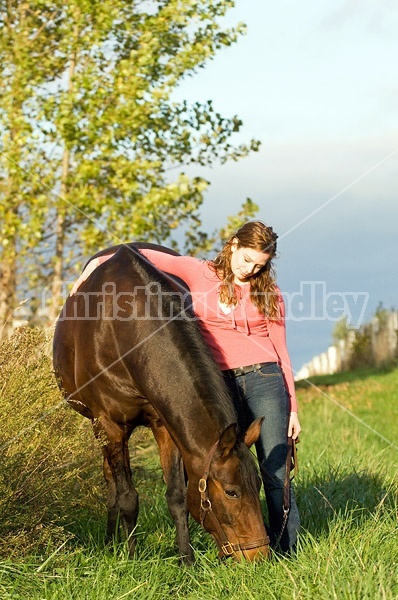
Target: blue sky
316, 83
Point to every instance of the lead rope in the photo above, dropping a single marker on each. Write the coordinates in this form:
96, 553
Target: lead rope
291, 463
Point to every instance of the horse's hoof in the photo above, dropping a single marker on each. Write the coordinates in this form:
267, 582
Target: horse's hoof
187, 559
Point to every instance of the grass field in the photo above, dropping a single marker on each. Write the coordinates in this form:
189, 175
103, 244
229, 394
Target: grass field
52, 500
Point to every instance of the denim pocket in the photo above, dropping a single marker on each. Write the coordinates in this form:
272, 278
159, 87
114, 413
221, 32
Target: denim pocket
270, 370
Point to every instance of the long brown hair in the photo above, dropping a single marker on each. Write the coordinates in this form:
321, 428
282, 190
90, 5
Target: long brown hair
263, 290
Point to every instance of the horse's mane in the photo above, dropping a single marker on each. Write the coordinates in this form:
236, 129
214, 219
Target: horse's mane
250, 477
206, 374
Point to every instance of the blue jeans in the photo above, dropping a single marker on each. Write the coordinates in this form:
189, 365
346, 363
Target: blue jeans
263, 393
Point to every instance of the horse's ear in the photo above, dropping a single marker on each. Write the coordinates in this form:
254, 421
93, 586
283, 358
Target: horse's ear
227, 440
253, 432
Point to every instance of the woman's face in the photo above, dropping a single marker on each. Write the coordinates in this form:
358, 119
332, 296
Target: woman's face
246, 262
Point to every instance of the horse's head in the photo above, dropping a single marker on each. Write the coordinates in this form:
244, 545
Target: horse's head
226, 501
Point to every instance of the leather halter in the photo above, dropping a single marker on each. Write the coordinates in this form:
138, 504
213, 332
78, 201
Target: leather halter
226, 548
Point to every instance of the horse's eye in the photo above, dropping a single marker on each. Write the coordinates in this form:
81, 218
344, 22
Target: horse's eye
231, 493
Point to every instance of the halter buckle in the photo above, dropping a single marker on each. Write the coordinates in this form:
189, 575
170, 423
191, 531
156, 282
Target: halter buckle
227, 549
202, 485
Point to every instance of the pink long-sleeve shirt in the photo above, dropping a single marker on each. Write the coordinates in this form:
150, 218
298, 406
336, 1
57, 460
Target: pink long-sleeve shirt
236, 335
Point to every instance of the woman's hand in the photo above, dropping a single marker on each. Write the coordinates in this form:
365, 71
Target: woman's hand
294, 426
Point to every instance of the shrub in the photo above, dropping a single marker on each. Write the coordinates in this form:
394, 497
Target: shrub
47, 450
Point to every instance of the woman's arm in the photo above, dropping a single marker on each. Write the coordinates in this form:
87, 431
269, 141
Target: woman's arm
277, 333
180, 266
92, 265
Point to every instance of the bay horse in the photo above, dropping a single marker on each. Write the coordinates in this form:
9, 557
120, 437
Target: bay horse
126, 353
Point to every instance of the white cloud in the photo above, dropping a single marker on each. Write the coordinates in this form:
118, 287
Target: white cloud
373, 16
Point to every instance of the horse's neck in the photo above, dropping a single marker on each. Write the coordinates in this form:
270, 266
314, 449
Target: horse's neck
194, 432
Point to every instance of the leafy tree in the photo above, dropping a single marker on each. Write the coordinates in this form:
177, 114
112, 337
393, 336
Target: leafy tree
28, 38
114, 140
340, 330
119, 129
198, 242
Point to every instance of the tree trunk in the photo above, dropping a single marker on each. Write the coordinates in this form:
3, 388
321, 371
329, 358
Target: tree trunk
57, 298
57, 295
7, 293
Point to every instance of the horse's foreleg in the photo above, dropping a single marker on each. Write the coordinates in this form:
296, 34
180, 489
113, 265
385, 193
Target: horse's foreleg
173, 471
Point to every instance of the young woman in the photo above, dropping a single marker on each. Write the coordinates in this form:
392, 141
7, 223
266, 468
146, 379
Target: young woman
242, 318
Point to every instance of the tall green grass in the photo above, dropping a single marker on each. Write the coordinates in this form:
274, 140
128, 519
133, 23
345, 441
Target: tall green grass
52, 500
